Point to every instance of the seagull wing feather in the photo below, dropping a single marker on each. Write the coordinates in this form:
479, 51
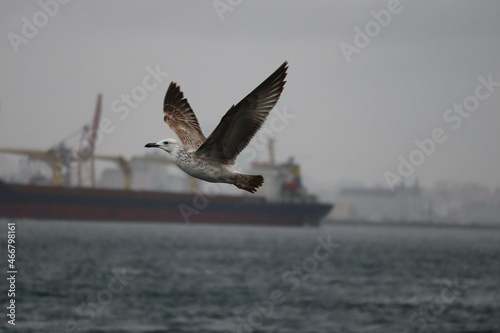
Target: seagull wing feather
181, 118
241, 122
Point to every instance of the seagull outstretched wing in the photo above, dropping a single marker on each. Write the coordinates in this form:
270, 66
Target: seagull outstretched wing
181, 118
241, 122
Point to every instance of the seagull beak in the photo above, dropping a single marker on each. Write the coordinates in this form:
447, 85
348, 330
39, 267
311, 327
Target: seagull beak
151, 145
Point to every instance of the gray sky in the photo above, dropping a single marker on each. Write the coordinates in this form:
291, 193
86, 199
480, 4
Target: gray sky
351, 119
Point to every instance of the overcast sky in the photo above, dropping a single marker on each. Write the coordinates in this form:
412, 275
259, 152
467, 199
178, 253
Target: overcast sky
353, 103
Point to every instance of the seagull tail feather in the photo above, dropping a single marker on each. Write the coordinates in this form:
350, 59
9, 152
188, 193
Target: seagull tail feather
248, 183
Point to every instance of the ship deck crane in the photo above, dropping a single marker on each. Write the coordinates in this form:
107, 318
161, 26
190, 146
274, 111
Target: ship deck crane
270, 148
124, 166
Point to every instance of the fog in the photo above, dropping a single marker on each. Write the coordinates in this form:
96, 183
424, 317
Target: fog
376, 91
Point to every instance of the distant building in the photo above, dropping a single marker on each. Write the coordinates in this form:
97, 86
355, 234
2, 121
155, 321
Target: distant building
465, 203
404, 204
482, 213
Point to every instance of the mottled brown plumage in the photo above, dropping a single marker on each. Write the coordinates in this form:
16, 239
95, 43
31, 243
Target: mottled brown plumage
211, 158
241, 122
181, 118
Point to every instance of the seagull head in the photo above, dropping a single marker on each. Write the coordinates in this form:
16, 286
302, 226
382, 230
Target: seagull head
168, 145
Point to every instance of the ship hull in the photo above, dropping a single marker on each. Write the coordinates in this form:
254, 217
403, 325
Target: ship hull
57, 203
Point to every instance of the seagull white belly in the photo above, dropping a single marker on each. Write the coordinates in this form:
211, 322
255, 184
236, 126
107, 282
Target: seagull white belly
206, 170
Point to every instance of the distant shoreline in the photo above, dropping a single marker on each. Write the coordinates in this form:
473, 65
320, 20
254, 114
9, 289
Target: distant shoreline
408, 224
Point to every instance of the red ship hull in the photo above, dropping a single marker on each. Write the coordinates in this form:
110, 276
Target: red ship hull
58, 203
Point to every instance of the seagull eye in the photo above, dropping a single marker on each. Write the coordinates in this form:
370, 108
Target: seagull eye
165, 143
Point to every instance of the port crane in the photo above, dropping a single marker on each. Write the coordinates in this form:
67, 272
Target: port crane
61, 159
52, 157
86, 148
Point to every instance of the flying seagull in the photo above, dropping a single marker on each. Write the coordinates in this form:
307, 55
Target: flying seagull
212, 159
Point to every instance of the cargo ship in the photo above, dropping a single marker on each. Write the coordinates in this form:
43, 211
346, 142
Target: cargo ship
141, 190
56, 203
79, 203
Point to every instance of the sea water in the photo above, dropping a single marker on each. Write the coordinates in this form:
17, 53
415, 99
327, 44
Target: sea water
151, 277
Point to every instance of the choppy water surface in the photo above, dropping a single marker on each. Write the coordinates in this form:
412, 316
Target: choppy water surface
133, 277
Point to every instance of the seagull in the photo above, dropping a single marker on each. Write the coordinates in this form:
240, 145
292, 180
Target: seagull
212, 159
